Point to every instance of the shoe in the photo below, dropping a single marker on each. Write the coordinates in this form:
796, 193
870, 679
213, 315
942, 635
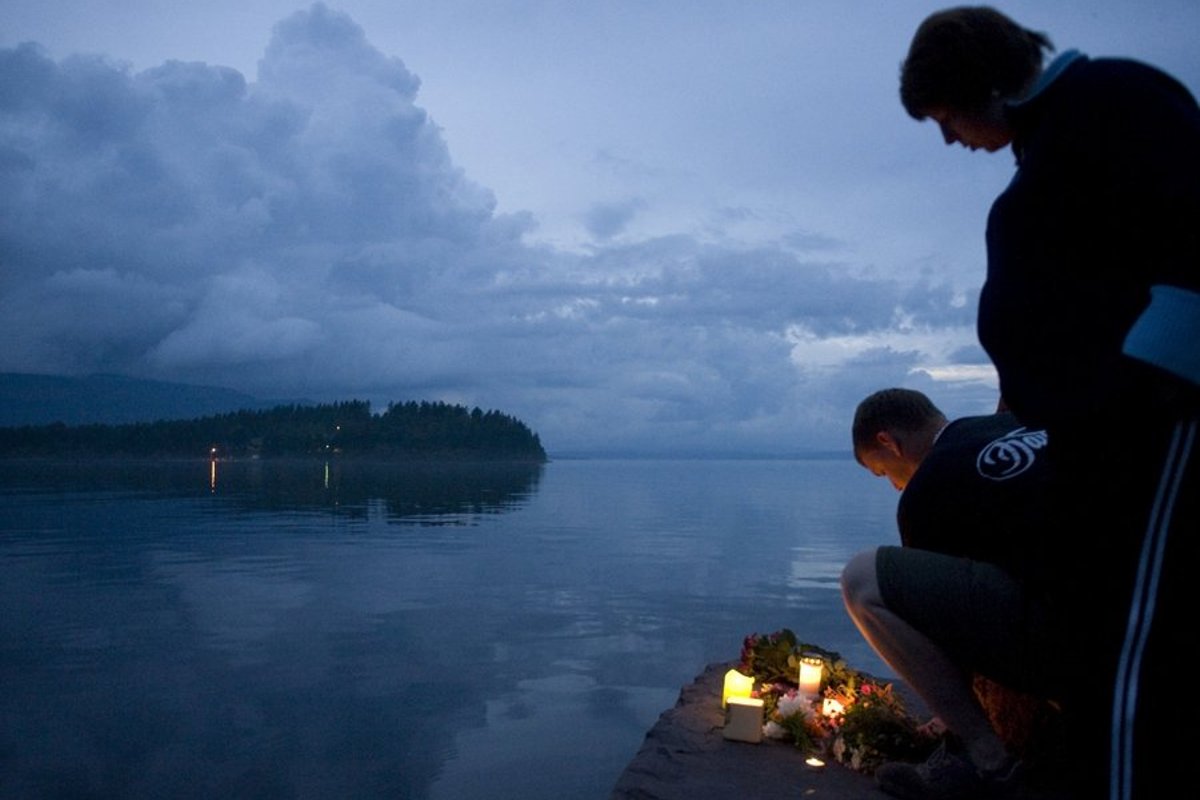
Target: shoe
947, 776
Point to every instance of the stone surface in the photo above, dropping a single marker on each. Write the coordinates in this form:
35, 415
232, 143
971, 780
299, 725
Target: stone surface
685, 757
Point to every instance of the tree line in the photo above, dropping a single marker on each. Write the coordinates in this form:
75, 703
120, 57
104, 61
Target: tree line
405, 430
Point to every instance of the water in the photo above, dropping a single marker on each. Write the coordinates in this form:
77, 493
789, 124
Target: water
303, 630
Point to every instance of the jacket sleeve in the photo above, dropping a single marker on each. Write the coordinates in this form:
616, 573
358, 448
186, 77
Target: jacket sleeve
1167, 334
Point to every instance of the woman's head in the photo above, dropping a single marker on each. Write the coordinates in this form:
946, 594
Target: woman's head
966, 59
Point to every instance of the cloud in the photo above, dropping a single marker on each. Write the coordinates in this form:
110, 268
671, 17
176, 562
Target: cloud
308, 234
240, 320
606, 220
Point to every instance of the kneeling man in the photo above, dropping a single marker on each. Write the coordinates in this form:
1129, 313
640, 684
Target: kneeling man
960, 597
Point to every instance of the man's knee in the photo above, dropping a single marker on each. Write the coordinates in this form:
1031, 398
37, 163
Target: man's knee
859, 584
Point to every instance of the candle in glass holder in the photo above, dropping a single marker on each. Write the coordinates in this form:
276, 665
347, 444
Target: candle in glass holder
811, 668
736, 685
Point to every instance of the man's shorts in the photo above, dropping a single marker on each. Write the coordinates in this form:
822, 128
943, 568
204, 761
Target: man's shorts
978, 614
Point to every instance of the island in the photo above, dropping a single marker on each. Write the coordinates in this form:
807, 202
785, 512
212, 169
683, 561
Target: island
409, 430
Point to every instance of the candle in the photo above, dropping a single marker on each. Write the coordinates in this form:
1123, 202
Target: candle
736, 685
831, 707
810, 675
744, 719
814, 762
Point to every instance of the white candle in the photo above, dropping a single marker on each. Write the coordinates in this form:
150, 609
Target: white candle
744, 719
811, 668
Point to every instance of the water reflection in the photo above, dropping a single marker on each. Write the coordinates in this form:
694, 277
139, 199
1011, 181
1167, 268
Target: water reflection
434, 493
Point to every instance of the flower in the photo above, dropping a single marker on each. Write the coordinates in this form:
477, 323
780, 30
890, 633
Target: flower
793, 703
773, 730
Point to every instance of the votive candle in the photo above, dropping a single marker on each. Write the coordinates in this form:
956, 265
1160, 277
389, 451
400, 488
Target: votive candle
736, 685
744, 719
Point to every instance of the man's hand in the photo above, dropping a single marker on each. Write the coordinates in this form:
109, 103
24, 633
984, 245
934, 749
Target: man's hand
933, 728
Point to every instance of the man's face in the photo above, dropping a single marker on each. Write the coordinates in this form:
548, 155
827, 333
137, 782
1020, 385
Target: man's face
888, 462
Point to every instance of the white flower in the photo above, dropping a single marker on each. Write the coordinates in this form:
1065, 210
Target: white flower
791, 704
839, 748
773, 730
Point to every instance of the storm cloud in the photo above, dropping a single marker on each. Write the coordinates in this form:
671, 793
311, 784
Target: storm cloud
308, 233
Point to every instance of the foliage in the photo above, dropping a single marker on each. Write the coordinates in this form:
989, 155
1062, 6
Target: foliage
866, 723
771, 657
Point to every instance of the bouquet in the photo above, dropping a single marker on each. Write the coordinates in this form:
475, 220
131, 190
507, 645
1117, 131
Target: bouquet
859, 720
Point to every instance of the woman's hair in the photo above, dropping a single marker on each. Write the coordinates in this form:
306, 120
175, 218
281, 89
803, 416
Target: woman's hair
962, 57
896, 410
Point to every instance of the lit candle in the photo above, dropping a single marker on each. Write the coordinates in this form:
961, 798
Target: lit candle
736, 685
744, 719
814, 763
810, 675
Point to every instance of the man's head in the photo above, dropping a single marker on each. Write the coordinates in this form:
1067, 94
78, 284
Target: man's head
893, 431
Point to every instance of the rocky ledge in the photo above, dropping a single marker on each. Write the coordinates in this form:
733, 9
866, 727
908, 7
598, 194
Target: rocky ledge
686, 757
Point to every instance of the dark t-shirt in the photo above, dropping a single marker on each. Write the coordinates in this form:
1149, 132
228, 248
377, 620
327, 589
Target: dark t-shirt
981, 493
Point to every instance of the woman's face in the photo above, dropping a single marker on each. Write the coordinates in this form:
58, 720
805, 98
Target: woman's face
986, 128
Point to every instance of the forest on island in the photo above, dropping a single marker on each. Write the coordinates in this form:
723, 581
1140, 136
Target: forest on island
405, 430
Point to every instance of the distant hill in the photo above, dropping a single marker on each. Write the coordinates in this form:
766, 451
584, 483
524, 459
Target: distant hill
405, 431
111, 400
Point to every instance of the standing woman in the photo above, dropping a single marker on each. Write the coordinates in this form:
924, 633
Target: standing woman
1091, 315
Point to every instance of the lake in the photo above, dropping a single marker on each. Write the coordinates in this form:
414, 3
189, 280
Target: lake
341, 630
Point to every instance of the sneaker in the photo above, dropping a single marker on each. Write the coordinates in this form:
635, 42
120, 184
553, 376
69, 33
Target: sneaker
947, 776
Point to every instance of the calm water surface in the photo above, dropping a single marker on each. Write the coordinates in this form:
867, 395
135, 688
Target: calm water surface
304, 630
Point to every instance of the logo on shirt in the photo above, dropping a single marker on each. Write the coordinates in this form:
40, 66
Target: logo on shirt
1011, 454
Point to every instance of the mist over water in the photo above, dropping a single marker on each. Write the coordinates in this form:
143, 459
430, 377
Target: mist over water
306, 629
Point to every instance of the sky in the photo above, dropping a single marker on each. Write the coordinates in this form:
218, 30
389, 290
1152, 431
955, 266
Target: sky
656, 228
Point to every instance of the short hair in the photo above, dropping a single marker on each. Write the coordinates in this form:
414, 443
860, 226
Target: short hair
899, 410
961, 57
